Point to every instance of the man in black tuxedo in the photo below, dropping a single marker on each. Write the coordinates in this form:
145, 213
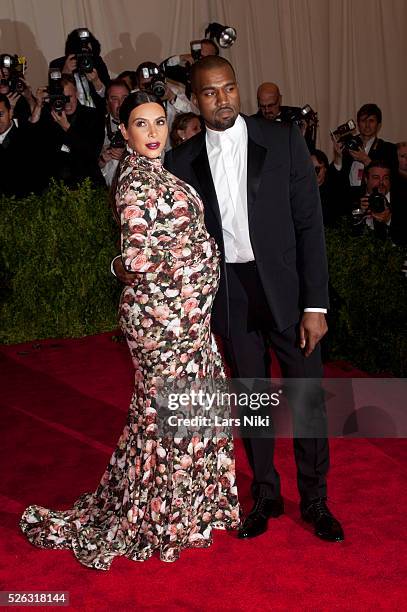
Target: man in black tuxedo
262, 207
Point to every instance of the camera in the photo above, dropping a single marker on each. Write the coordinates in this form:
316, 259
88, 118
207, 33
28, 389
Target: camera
196, 50
84, 55
16, 66
299, 115
377, 201
376, 204
157, 84
56, 97
344, 134
117, 141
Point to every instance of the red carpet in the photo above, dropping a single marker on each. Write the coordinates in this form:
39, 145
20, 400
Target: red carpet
63, 407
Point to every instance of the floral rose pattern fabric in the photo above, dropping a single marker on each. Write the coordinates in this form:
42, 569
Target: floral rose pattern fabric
158, 493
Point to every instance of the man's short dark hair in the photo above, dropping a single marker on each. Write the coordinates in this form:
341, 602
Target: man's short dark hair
4, 98
211, 42
377, 164
370, 110
207, 63
117, 83
67, 79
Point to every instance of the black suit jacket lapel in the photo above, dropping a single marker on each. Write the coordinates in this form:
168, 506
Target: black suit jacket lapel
256, 155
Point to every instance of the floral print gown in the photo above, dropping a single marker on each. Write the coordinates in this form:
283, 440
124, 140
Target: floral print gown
157, 493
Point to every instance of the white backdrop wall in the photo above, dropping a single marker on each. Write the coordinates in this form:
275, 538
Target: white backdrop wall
332, 54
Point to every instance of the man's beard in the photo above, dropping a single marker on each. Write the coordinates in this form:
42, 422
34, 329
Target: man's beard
224, 124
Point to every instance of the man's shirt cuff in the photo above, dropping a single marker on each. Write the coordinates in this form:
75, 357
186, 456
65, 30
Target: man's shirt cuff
324, 310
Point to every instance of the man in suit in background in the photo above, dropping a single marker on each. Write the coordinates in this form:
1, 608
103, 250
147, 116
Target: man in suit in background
262, 207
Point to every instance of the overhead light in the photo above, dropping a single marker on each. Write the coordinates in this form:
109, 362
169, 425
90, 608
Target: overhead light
225, 36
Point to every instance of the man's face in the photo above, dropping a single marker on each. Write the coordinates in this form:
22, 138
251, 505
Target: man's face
368, 126
117, 94
402, 155
378, 178
5, 118
217, 97
70, 90
320, 170
269, 104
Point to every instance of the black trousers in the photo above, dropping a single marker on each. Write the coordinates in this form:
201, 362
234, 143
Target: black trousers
247, 352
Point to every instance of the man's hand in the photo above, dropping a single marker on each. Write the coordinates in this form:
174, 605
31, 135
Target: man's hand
41, 96
338, 150
312, 328
364, 204
70, 64
127, 278
360, 156
61, 119
108, 154
383, 217
93, 78
116, 152
13, 99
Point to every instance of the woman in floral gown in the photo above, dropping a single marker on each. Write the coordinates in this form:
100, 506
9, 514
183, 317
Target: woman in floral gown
158, 493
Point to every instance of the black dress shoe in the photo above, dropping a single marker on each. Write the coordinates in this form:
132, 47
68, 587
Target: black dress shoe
256, 522
325, 524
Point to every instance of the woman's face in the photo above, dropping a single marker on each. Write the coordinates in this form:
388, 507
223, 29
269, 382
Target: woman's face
320, 170
193, 127
147, 130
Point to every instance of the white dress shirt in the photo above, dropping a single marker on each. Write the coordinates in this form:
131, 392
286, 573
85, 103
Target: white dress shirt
227, 155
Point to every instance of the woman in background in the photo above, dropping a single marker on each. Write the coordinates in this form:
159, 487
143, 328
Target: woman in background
184, 126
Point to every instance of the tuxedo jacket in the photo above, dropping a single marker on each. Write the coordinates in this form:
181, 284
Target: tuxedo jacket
285, 219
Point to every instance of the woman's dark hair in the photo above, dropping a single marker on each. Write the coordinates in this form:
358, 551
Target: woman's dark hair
321, 157
131, 75
135, 99
72, 44
180, 123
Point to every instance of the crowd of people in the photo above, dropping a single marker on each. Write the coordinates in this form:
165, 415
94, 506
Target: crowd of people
81, 138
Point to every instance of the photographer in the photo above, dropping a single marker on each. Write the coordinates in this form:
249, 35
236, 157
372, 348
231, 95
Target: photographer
177, 67
15, 87
82, 60
349, 164
151, 78
16, 177
381, 209
69, 138
114, 144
